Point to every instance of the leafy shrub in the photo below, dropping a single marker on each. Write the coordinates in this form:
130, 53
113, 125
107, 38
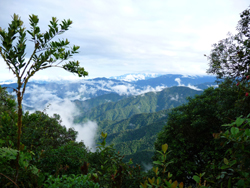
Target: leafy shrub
158, 181
27, 170
235, 166
68, 181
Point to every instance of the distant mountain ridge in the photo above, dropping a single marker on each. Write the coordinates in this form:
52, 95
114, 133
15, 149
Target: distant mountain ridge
91, 88
149, 102
176, 80
132, 112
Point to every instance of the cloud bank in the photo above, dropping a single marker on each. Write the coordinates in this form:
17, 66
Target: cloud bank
120, 37
67, 110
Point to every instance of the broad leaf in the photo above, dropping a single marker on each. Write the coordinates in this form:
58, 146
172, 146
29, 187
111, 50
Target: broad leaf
234, 130
196, 178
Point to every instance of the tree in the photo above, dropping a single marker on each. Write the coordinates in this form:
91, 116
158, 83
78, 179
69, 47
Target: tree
190, 127
231, 56
41, 132
49, 146
46, 54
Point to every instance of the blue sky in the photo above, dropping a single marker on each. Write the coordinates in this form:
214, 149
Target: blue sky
132, 36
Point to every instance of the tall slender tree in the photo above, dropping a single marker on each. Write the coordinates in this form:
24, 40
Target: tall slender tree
47, 53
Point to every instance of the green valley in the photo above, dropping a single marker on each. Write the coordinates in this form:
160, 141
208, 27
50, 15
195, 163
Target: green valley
132, 123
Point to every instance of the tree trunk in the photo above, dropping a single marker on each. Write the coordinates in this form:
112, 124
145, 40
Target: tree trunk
19, 124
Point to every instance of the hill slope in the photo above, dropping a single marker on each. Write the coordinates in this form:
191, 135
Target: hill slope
133, 123
146, 103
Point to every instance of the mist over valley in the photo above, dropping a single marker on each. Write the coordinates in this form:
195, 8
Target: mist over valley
131, 108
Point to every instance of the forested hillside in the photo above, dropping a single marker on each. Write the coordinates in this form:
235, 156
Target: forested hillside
148, 102
132, 123
135, 135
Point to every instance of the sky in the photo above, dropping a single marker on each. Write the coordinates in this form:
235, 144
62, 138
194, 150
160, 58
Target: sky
118, 37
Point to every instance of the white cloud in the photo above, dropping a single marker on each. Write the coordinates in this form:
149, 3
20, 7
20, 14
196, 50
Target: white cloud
121, 89
130, 89
130, 78
194, 87
131, 124
87, 133
147, 166
178, 80
39, 95
67, 110
174, 98
83, 89
119, 37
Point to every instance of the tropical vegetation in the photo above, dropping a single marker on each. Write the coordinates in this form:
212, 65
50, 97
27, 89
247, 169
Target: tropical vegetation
204, 143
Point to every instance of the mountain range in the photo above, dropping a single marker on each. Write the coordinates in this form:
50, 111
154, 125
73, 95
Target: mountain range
132, 111
90, 88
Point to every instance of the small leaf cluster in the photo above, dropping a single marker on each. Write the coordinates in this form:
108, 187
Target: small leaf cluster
13, 54
157, 181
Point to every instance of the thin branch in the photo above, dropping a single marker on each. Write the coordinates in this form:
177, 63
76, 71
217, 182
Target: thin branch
59, 62
10, 179
30, 75
29, 61
45, 67
24, 86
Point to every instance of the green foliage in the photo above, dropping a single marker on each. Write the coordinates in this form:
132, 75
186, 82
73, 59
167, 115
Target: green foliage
45, 145
7, 158
96, 101
157, 181
136, 134
46, 52
134, 137
230, 57
77, 181
63, 160
234, 167
41, 132
7, 153
136, 121
190, 128
109, 170
129, 131
142, 158
8, 118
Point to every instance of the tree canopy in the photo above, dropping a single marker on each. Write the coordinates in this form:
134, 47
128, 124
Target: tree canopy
230, 57
190, 127
46, 54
